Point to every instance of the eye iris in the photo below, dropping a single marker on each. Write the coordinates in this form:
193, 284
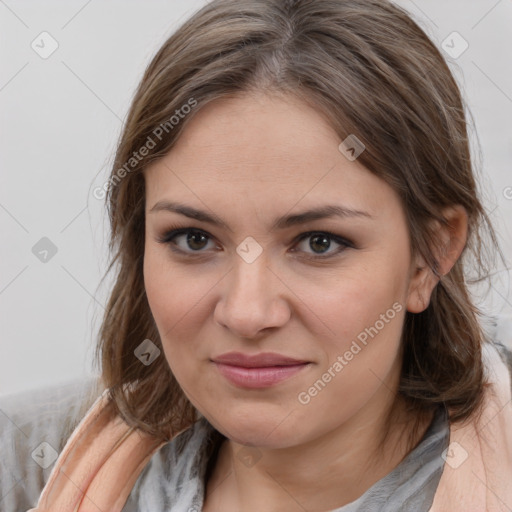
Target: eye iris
323, 239
194, 236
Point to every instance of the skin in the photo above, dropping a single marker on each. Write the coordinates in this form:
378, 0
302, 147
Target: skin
250, 159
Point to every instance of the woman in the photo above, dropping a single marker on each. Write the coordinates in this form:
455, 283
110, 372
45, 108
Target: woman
294, 217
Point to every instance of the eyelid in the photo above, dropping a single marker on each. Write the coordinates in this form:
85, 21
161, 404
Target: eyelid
338, 238
175, 231
341, 241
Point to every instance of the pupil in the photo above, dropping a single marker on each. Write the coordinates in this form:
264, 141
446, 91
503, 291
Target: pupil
320, 242
192, 237
324, 239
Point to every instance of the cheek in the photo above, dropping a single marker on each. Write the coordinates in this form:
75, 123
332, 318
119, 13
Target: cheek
345, 302
162, 287
367, 333
360, 360
364, 310
174, 292
178, 299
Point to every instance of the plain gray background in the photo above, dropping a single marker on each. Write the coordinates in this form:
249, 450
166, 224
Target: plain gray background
60, 120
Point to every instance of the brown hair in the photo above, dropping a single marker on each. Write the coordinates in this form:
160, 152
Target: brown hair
369, 68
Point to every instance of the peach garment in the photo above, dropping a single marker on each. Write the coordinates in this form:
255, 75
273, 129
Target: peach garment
103, 458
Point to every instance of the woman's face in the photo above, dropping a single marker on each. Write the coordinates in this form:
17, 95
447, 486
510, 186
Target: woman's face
256, 282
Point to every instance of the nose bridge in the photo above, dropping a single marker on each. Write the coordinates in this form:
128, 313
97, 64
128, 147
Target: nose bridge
250, 282
250, 300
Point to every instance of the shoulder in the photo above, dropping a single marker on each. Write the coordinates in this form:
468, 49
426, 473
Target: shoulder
34, 427
499, 350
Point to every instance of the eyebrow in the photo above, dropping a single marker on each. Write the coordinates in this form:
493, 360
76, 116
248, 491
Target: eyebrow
280, 223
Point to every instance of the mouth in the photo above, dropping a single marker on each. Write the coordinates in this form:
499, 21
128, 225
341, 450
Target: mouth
258, 371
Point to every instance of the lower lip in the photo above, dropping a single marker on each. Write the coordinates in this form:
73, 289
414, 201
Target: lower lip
258, 377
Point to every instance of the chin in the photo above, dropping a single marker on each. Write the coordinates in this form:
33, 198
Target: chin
257, 429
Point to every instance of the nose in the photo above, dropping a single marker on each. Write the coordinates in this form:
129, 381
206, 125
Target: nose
253, 300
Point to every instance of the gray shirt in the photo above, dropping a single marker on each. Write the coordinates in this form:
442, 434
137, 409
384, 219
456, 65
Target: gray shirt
35, 425
180, 487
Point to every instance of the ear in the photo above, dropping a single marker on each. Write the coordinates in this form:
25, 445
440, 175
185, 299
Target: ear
452, 240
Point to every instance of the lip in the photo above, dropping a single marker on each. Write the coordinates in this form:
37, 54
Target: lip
262, 360
258, 371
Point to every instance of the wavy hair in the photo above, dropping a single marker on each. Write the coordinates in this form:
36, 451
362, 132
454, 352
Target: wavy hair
373, 72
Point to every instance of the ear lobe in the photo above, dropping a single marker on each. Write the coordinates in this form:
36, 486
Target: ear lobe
452, 238
420, 288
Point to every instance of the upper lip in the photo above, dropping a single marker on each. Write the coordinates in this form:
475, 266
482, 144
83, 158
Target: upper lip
258, 360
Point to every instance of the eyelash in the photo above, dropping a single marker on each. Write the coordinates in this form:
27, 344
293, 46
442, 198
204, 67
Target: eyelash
168, 237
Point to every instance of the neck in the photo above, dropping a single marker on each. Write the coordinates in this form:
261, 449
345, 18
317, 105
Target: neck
323, 474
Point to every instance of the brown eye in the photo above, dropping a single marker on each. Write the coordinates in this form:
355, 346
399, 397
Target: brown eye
319, 243
186, 240
196, 240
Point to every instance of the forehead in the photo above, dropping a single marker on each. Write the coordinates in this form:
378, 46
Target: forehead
270, 150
